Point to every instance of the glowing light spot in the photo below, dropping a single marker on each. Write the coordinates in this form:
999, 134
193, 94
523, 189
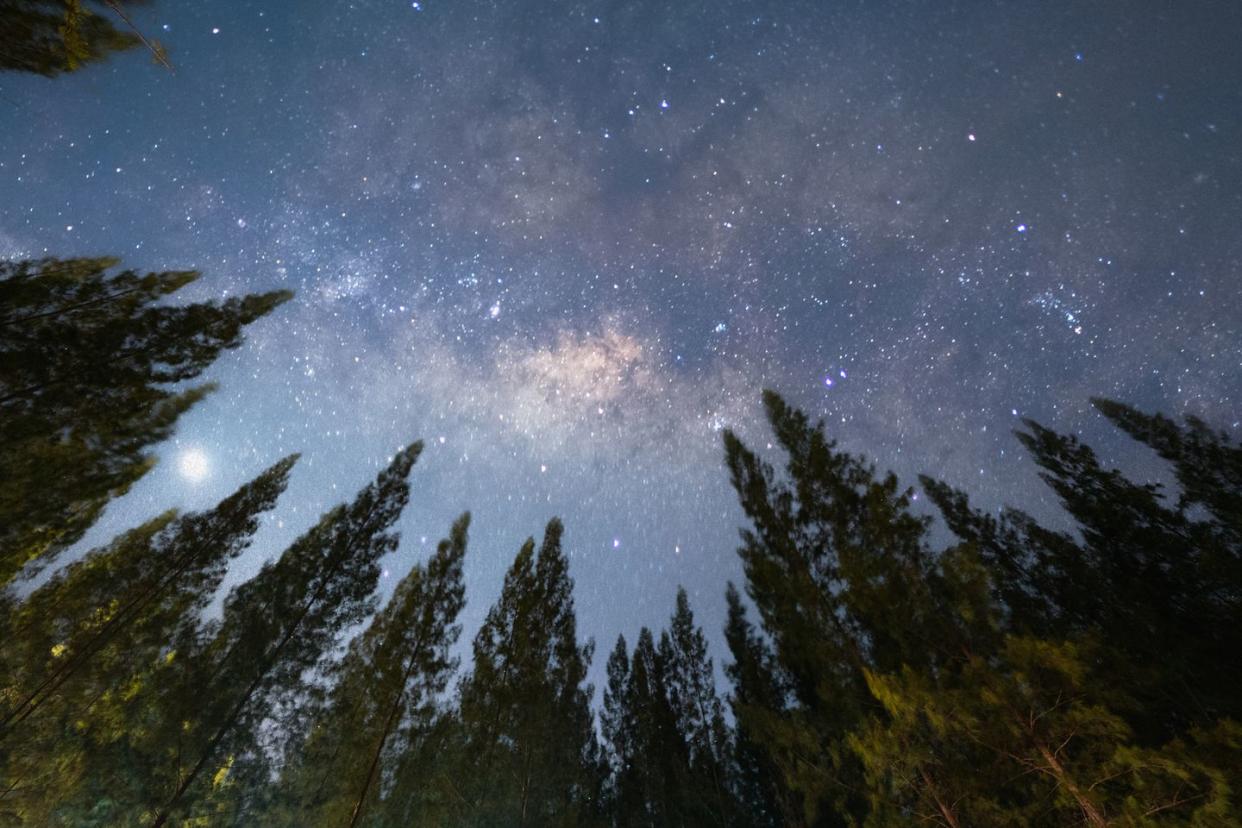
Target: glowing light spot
193, 465
970, 137
616, 543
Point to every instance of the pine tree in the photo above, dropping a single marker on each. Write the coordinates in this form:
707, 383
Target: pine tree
195, 746
50, 37
651, 783
85, 363
691, 688
526, 707
616, 724
81, 644
837, 566
382, 704
948, 704
1161, 582
757, 700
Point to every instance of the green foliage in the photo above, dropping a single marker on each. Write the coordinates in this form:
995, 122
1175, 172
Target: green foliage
525, 709
51, 37
84, 646
86, 364
196, 742
382, 704
1021, 677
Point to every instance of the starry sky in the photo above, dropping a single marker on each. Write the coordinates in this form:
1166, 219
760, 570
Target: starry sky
567, 243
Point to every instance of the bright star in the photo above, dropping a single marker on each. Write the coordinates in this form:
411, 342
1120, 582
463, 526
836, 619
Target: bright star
193, 465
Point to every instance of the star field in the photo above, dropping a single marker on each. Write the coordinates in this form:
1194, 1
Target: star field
566, 244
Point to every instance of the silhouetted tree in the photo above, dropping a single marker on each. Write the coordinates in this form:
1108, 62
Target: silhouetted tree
650, 760
206, 738
691, 687
526, 705
86, 360
1159, 581
756, 700
1003, 681
382, 703
837, 567
80, 647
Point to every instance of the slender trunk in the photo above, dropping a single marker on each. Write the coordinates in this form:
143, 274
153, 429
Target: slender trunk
1090, 811
525, 788
1052, 765
12, 786
157, 52
221, 732
945, 809
389, 723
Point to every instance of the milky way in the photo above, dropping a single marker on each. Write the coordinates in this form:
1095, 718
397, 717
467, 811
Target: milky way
566, 244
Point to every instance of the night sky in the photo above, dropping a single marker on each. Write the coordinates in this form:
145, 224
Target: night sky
567, 243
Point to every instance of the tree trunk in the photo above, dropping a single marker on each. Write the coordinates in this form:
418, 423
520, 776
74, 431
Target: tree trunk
389, 723
945, 809
1090, 811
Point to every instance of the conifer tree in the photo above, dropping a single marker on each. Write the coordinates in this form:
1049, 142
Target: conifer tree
837, 566
526, 707
616, 723
650, 761
995, 682
86, 360
50, 37
691, 687
757, 700
382, 704
1161, 581
194, 748
80, 645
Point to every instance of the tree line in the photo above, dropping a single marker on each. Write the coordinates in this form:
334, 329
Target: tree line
1017, 675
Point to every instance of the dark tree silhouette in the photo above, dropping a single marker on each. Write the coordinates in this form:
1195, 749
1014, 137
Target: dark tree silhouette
81, 646
525, 707
383, 702
86, 361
